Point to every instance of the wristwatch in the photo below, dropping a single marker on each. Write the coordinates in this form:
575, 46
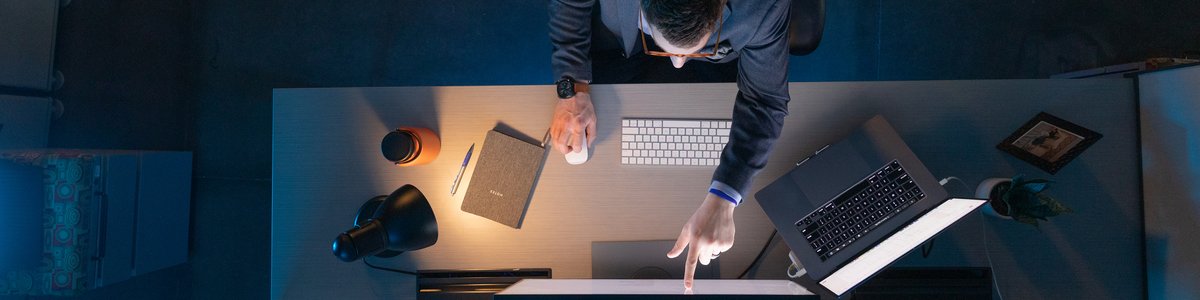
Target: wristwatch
567, 87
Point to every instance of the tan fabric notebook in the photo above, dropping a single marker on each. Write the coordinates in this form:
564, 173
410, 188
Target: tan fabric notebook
504, 179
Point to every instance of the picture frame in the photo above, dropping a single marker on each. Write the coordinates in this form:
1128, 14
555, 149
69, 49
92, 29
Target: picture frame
1049, 142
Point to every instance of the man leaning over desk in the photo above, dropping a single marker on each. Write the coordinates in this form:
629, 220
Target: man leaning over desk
752, 33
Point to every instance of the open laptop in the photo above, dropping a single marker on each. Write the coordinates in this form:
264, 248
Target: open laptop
858, 205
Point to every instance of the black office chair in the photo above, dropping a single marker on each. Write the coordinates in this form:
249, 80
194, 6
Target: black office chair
805, 26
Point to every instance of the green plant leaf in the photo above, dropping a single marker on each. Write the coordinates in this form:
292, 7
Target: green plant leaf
1019, 200
1036, 187
1055, 206
1025, 202
1026, 219
1040, 212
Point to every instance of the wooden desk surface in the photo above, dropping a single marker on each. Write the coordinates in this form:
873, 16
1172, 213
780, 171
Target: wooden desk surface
326, 162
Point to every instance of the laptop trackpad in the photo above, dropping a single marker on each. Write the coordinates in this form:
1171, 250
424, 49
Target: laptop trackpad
831, 172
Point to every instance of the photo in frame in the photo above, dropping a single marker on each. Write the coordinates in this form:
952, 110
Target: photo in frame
1049, 142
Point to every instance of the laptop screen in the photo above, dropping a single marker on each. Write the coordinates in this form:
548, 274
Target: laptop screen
898, 244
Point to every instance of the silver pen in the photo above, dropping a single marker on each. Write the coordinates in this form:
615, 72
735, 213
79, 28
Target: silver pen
457, 178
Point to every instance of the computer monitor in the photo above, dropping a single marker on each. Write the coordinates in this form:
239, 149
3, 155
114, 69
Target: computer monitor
656, 289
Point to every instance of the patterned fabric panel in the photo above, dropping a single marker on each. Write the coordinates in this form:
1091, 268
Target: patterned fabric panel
68, 179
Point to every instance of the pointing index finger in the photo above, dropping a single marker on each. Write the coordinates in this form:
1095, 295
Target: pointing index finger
689, 267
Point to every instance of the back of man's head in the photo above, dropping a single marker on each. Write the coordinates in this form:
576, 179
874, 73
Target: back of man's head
683, 22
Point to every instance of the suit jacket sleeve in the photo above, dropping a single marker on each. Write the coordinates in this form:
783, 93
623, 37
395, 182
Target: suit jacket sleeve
761, 103
571, 35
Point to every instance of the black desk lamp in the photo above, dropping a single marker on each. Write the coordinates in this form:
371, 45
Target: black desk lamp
389, 225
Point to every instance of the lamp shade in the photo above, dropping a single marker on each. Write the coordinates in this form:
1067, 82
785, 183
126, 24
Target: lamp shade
402, 221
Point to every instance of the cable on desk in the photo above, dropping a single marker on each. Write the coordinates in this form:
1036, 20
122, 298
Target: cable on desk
927, 248
364, 260
758, 258
991, 268
946, 180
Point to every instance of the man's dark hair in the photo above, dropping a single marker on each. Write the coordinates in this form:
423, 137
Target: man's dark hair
683, 22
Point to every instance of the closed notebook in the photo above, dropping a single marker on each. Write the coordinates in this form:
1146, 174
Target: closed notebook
504, 179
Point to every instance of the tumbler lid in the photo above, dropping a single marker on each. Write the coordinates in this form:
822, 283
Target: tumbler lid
399, 146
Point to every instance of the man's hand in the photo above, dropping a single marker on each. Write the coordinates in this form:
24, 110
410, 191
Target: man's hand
571, 118
709, 231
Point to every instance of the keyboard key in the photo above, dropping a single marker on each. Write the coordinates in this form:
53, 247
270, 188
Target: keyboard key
681, 124
816, 234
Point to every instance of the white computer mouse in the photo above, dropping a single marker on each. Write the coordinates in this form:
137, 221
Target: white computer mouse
580, 157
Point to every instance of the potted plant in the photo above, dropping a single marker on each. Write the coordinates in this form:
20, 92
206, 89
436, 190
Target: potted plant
1019, 199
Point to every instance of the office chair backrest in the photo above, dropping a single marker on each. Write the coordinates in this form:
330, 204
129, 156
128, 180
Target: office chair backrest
805, 26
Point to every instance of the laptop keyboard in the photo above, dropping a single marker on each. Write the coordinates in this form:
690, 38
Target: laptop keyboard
857, 211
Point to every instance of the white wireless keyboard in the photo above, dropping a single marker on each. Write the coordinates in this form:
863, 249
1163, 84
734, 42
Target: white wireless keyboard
673, 142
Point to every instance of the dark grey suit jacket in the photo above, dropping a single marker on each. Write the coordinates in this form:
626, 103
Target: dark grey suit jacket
754, 33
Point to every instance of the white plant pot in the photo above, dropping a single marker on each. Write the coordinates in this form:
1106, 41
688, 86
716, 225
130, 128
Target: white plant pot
985, 191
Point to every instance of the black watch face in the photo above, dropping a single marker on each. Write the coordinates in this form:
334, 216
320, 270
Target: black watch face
566, 89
